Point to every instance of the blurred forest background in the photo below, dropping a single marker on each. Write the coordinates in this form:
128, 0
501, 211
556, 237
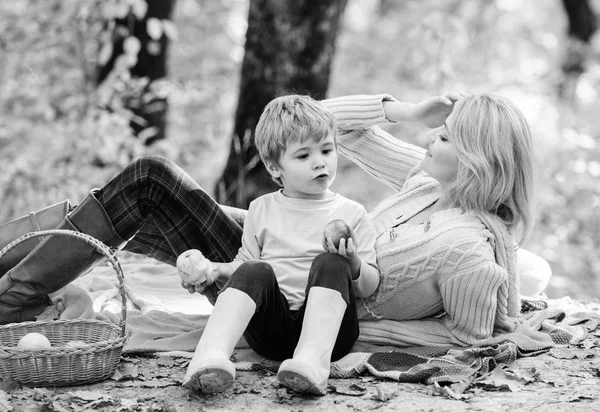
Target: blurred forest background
67, 124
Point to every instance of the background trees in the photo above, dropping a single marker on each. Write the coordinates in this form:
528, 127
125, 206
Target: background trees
289, 48
56, 131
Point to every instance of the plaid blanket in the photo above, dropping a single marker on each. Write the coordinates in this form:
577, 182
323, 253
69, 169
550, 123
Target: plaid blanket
430, 365
164, 319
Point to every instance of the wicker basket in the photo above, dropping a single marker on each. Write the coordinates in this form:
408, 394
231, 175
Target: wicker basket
60, 365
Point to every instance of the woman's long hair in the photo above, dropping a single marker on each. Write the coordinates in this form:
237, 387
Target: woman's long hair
495, 153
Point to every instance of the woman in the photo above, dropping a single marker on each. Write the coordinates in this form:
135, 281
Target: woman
444, 249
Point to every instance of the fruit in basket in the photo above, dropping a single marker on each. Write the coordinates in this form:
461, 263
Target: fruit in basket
34, 340
337, 229
193, 267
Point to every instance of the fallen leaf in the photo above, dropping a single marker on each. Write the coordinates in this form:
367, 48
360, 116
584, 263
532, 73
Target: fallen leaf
152, 383
462, 385
165, 361
283, 396
5, 405
125, 371
384, 394
88, 396
570, 353
588, 344
447, 392
527, 375
499, 379
589, 392
128, 403
352, 390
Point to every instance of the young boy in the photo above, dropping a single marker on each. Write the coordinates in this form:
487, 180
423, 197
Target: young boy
292, 301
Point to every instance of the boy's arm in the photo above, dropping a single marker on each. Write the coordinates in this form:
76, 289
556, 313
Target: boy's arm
367, 281
368, 275
359, 250
250, 249
221, 271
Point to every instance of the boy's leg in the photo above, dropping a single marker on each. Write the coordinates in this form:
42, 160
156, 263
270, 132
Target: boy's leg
210, 369
154, 202
251, 299
329, 326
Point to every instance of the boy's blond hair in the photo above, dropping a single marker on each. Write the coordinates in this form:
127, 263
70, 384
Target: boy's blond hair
288, 119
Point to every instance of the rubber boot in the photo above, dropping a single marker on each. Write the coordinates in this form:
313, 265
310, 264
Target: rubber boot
43, 219
55, 262
210, 369
308, 370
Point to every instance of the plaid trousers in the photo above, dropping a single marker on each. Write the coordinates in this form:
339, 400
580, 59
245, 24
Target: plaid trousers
164, 212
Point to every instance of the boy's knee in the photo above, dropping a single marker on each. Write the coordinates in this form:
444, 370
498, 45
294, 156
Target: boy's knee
254, 273
331, 266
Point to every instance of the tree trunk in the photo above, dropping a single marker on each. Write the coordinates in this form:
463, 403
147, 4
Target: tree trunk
151, 63
289, 49
582, 26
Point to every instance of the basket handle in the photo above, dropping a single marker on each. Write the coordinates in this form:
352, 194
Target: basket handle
100, 248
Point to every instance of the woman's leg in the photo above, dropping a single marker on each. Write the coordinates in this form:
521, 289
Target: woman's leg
153, 202
329, 326
164, 212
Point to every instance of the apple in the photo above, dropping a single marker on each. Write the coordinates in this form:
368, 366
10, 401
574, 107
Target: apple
193, 267
337, 229
34, 340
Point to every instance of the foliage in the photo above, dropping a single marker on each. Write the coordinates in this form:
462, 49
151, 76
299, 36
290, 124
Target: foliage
53, 129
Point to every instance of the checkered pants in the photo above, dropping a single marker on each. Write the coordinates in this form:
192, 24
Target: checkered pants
165, 212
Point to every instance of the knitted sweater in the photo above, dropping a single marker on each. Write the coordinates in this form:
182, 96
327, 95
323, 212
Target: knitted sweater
449, 281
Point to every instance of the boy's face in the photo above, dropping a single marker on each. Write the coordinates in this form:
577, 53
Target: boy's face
308, 168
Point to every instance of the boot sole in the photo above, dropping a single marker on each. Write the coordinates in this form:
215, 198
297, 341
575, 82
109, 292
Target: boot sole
300, 383
210, 380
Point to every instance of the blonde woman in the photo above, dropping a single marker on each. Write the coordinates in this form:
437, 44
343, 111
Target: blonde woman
446, 240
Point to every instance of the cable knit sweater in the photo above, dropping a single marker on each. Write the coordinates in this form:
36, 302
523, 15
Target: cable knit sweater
449, 281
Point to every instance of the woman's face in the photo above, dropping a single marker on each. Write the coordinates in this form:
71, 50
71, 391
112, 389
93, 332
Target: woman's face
440, 161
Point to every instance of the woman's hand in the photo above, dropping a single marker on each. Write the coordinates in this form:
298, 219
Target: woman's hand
433, 111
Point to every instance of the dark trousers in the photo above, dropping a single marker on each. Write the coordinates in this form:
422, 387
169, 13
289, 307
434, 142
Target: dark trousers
274, 330
164, 212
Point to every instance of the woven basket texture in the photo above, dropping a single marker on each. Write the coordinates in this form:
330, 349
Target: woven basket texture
93, 360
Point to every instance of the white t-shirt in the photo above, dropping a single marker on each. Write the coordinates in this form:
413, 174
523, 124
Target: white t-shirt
287, 233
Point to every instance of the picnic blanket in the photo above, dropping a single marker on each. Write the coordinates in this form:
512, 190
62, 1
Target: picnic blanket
164, 318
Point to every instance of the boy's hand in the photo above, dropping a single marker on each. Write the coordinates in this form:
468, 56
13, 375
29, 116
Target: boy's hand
196, 272
433, 111
348, 251
201, 285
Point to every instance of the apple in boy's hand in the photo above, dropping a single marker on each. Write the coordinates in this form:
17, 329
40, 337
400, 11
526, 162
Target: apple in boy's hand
34, 340
193, 267
336, 230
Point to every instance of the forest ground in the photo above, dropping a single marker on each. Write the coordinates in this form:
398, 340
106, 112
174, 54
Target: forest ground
564, 379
